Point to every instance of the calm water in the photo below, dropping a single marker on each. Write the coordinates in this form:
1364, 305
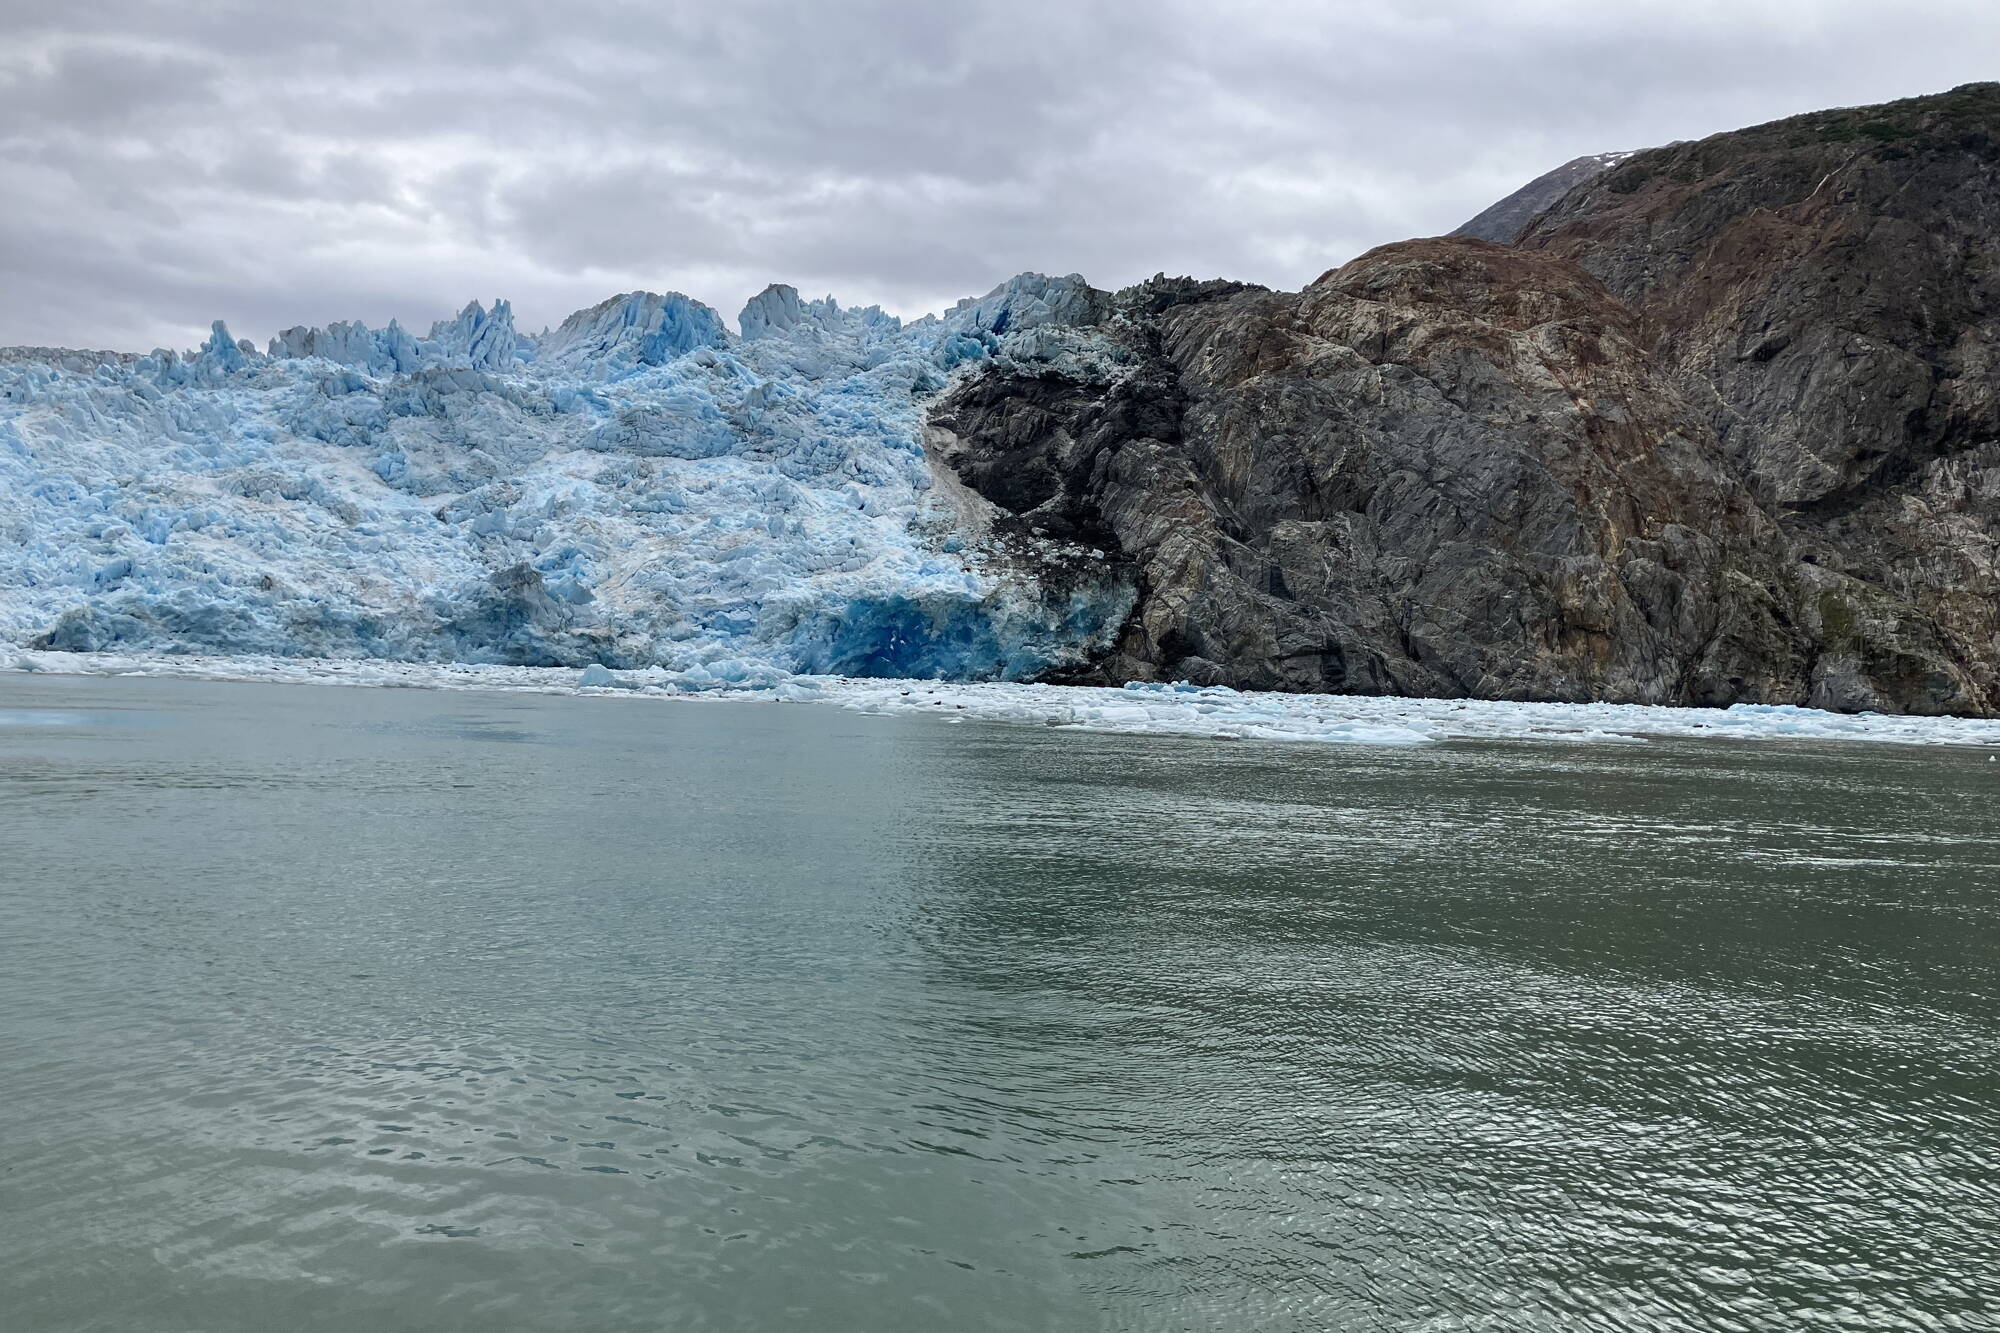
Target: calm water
385, 1010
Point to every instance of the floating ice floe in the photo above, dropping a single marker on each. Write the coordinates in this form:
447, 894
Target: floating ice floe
1149, 709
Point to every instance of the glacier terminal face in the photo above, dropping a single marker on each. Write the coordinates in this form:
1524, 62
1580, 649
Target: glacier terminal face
638, 487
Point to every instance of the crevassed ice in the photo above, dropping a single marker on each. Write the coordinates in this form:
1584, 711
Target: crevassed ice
638, 487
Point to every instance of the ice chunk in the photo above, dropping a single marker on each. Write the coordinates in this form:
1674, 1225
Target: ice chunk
777, 311
220, 355
1201, 714
478, 337
1028, 301
636, 329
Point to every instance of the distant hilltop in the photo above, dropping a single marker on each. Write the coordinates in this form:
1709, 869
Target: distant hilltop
1506, 220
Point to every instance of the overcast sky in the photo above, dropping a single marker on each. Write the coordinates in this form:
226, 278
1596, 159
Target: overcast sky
163, 164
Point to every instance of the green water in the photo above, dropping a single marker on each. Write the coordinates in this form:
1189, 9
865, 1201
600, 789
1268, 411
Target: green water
400, 1010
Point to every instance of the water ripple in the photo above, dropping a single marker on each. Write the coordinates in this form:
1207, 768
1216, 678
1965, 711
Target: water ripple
322, 1010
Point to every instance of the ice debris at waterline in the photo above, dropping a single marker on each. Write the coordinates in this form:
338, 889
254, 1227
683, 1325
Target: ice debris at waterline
1146, 709
639, 487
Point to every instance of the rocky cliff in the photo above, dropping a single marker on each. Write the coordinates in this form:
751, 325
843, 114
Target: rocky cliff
1827, 290
1721, 426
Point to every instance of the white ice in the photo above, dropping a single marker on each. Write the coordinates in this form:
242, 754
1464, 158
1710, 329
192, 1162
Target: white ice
1163, 710
638, 487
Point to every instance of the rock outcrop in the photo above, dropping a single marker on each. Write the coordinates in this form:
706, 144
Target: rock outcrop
1722, 427
1827, 290
1506, 219
1446, 468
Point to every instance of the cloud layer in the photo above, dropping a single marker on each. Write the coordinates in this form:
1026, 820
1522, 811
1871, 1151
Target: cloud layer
167, 164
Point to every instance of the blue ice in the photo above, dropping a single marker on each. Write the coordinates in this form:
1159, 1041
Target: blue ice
637, 487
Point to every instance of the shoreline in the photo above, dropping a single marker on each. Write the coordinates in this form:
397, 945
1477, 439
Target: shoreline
1214, 713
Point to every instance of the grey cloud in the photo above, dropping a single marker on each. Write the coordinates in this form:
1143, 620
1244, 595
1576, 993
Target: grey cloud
169, 163
576, 220
104, 88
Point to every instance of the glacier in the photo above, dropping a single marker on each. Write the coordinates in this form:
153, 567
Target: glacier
639, 502
639, 487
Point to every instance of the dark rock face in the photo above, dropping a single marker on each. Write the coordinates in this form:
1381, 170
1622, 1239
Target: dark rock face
1506, 220
1724, 427
1826, 289
1445, 469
